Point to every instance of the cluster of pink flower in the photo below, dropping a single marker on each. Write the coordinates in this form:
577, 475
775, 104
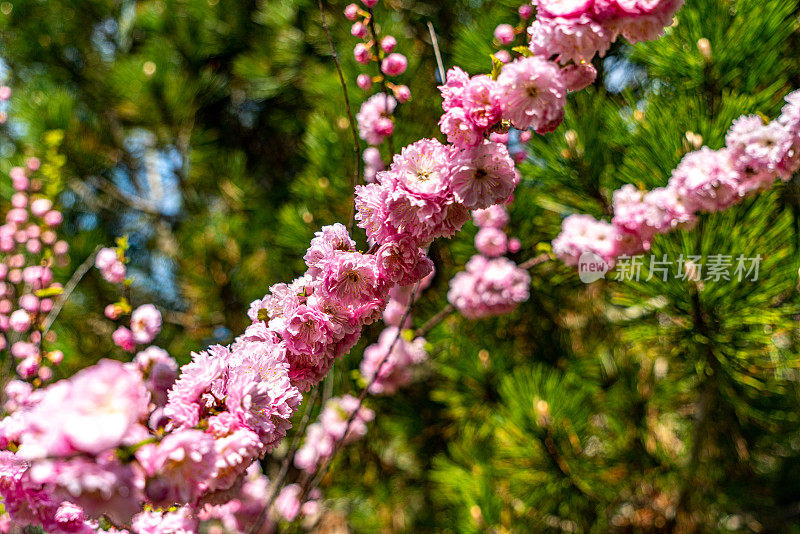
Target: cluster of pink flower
28, 245
391, 63
397, 369
706, 180
111, 264
375, 120
65, 436
506, 34
530, 92
491, 284
576, 30
375, 117
491, 240
239, 514
145, 321
488, 286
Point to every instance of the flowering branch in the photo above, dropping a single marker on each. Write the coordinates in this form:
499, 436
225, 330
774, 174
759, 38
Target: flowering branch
352, 121
384, 87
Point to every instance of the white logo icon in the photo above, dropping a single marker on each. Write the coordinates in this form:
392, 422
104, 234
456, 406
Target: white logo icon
591, 267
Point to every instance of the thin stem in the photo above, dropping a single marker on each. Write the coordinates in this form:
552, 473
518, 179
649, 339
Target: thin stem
327, 463
276, 485
536, 260
350, 118
435, 43
433, 321
77, 276
384, 87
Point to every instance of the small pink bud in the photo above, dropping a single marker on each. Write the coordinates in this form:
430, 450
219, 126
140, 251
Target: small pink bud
46, 305
525, 11
53, 218
402, 93
112, 311
369, 3
15, 276
45, 374
56, 357
384, 126
364, 82
503, 56
525, 136
23, 349
498, 137
394, 64
33, 164
29, 303
17, 216
123, 338
5, 92
28, 367
372, 157
388, 43
5, 306
19, 321
33, 231
60, 248
40, 206
362, 54
49, 237
34, 246
514, 245
351, 11
505, 34
20, 181
17, 260
358, 30
19, 200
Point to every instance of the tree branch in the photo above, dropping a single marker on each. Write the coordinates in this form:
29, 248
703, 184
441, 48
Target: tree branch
356, 145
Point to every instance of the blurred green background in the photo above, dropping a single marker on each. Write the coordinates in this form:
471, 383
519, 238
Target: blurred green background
213, 134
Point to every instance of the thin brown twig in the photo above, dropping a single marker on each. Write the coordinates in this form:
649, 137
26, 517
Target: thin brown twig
435, 43
433, 321
350, 118
384, 87
536, 260
73, 282
327, 463
278, 482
